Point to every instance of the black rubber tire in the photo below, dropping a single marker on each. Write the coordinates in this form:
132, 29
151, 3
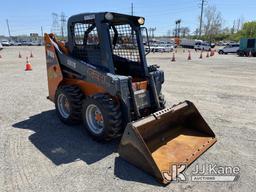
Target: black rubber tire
240, 53
75, 97
162, 101
221, 52
112, 117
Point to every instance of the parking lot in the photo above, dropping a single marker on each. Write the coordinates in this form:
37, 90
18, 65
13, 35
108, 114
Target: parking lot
39, 153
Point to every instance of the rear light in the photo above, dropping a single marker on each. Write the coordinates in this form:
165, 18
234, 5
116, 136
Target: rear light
109, 16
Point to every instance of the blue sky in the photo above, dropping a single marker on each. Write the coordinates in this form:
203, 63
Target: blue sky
27, 16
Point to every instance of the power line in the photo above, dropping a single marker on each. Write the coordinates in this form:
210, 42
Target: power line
152, 32
55, 23
63, 22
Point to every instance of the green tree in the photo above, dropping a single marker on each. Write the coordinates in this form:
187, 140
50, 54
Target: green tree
248, 30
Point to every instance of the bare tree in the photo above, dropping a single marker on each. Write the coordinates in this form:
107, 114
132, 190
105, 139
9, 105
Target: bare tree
212, 22
240, 23
227, 30
184, 31
237, 25
233, 28
196, 32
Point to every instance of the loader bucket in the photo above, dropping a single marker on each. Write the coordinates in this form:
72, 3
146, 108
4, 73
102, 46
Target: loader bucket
176, 135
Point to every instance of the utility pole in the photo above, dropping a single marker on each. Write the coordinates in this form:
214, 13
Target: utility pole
9, 31
177, 29
150, 31
153, 32
201, 17
42, 33
132, 8
63, 23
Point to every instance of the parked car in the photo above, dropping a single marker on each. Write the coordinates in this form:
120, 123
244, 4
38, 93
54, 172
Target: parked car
204, 46
188, 43
213, 45
15, 43
146, 47
231, 48
165, 48
162, 48
153, 48
34, 43
1, 46
24, 43
5, 43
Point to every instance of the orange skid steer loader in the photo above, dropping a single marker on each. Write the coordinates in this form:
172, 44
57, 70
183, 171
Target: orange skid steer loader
100, 77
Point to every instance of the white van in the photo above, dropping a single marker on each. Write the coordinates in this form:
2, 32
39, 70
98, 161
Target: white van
202, 46
5, 43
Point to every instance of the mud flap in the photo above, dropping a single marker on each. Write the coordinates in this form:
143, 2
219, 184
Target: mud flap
176, 135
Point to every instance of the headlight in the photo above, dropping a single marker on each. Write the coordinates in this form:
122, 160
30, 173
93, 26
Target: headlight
141, 21
109, 16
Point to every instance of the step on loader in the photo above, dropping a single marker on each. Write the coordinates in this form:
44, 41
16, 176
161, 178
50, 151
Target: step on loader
100, 77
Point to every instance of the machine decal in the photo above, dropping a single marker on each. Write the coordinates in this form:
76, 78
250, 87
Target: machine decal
89, 17
71, 63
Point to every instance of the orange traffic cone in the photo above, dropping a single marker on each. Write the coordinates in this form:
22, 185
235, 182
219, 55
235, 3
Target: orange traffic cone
31, 55
20, 55
201, 55
28, 66
173, 57
212, 53
189, 55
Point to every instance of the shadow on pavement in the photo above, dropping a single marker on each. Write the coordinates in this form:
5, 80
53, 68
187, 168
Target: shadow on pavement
128, 172
64, 144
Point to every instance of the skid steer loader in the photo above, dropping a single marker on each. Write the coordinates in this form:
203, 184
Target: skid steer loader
100, 77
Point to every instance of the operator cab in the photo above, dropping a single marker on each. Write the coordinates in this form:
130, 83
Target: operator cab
110, 41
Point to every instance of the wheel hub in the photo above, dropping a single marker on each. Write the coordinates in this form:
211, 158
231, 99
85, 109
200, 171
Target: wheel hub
94, 119
63, 106
98, 117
